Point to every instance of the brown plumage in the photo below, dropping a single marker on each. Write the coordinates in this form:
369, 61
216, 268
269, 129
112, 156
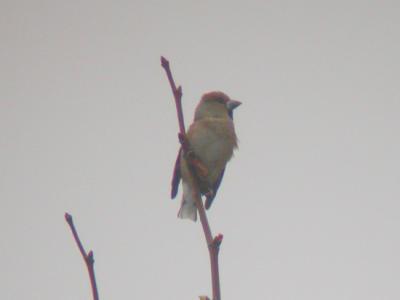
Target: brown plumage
212, 139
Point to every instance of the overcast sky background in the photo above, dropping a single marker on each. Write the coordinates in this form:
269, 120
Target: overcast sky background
309, 206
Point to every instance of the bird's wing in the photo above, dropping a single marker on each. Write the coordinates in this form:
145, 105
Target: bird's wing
210, 198
176, 177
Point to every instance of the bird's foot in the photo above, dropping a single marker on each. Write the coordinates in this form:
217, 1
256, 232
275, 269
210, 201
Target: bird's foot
209, 193
199, 167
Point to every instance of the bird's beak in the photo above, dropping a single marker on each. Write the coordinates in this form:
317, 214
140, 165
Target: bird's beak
232, 104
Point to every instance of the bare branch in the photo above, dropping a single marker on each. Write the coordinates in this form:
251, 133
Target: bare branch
87, 257
177, 92
213, 244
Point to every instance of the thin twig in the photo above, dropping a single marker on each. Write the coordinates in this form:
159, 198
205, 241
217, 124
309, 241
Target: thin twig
177, 94
213, 244
87, 257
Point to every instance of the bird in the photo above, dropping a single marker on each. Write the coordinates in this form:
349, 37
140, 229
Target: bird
211, 141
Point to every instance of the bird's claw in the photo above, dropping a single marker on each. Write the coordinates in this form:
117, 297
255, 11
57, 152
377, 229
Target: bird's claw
183, 139
209, 193
200, 168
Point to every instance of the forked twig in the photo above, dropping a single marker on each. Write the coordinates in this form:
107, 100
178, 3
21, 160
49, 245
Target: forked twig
213, 244
87, 257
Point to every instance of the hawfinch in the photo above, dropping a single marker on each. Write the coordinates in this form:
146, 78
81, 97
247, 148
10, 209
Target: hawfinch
211, 139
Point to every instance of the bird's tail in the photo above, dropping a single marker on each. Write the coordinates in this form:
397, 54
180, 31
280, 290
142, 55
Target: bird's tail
188, 208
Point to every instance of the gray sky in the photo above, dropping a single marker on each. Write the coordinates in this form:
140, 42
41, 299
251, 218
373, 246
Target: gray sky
309, 206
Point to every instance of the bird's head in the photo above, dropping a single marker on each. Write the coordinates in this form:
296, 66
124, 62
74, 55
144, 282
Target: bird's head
215, 105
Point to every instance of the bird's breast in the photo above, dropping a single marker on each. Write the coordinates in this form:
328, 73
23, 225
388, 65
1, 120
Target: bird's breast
213, 141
